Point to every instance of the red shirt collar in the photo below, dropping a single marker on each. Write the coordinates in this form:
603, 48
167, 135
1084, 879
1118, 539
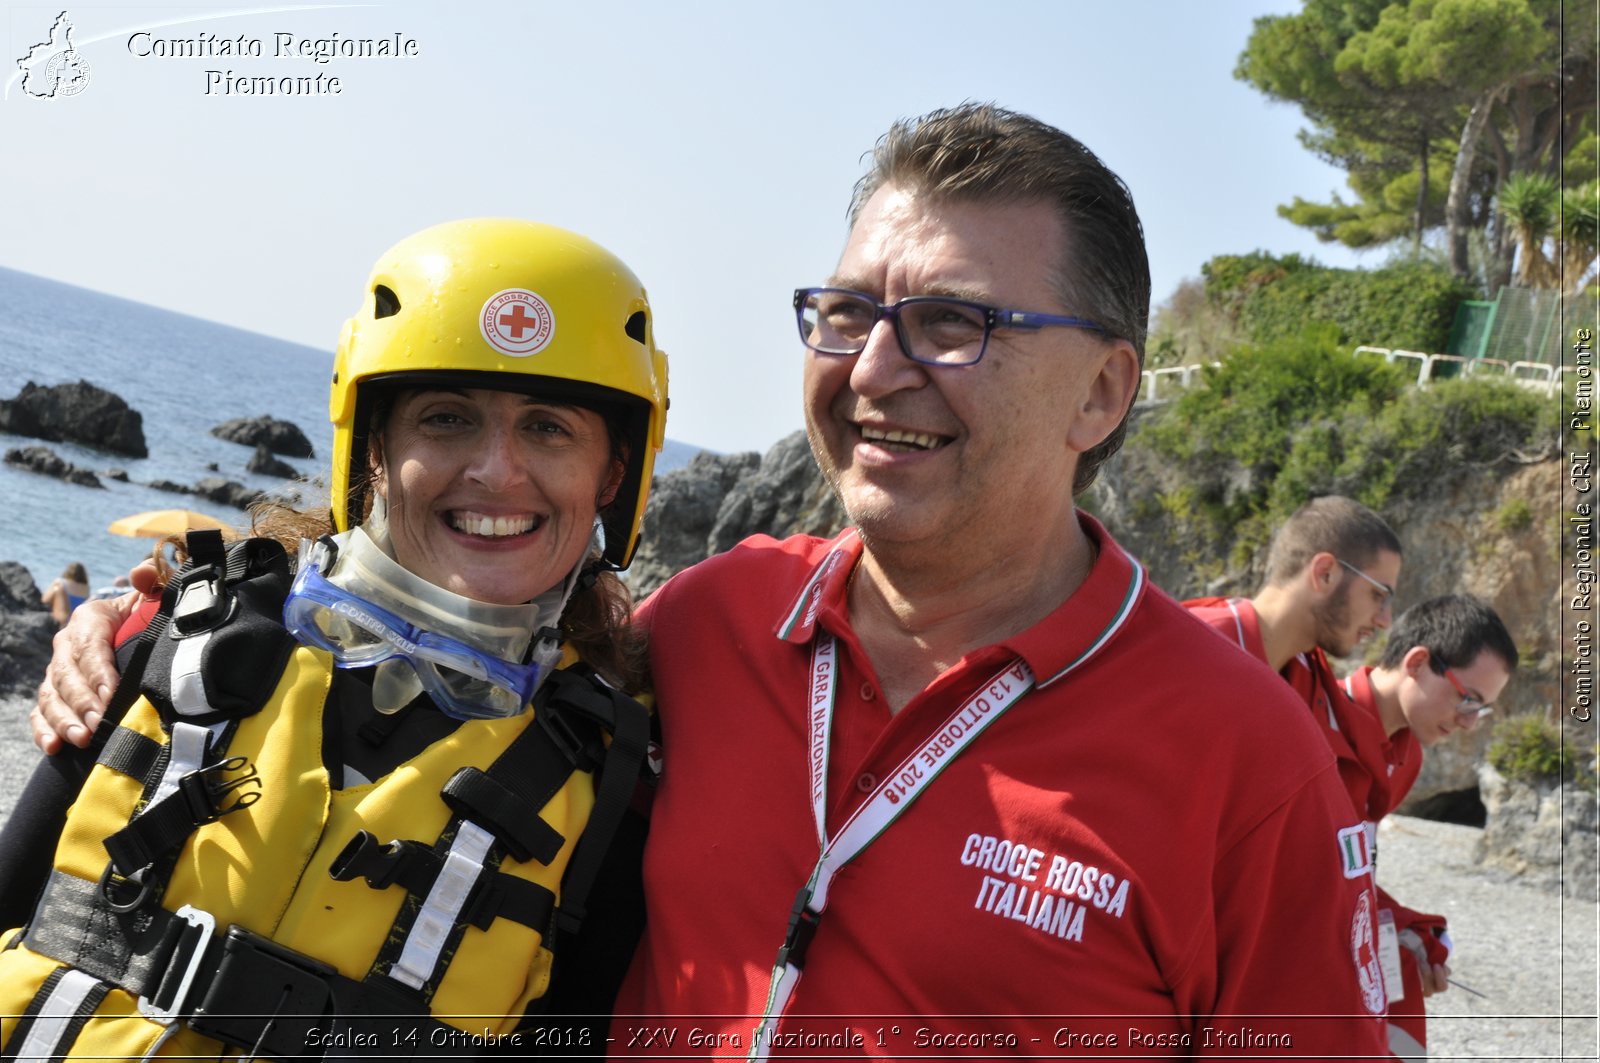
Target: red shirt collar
1090, 617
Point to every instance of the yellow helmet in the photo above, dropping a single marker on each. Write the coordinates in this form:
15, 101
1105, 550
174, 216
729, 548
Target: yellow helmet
512, 305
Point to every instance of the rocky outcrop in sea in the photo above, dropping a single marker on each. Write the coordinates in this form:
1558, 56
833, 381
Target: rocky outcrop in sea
279, 437
226, 492
262, 463
47, 462
80, 413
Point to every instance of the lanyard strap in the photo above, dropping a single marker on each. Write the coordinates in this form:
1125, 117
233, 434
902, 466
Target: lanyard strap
887, 803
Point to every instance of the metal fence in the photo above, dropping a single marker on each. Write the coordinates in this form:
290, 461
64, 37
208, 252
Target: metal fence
1521, 325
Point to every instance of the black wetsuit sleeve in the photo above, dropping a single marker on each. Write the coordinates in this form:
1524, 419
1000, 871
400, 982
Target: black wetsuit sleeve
28, 839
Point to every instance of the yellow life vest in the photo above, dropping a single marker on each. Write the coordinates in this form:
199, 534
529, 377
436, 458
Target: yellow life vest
421, 900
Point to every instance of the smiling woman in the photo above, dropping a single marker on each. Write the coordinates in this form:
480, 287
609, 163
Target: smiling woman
492, 494
396, 776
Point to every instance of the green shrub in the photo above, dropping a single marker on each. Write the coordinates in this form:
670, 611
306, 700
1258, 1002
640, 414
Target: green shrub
1405, 449
1283, 422
1236, 430
1531, 749
1515, 516
1408, 305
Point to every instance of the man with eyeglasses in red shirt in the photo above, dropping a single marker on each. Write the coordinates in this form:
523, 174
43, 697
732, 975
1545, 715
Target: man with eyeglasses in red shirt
1331, 572
1445, 663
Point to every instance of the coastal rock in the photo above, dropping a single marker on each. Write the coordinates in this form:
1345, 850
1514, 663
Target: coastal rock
226, 492
47, 462
1544, 832
680, 515
119, 475
168, 485
24, 650
716, 500
784, 495
262, 463
18, 592
1451, 767
81, 413
280, 437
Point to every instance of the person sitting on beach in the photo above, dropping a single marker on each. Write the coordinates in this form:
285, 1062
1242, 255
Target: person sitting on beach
115, 589
66, 592
325, 817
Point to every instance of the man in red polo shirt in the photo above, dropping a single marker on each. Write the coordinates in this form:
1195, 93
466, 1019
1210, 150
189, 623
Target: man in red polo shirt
1331, 572
1445, 663
924, 793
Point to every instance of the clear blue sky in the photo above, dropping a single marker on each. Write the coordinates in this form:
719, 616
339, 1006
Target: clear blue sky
711, 145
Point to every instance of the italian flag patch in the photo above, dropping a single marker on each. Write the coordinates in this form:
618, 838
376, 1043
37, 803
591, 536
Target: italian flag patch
1355, 851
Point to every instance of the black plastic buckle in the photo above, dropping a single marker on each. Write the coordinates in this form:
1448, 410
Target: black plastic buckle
201, 602
380, 863
803, 924
554, 723
204, 789
264, 998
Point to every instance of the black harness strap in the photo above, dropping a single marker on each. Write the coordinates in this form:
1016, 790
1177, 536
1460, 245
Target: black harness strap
505, 801
241, 655
629, 724
132, 753
202, 796
244, 990
512, 817
74, 925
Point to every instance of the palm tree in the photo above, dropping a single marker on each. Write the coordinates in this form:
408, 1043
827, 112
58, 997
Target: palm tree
1529, 202
1580, 233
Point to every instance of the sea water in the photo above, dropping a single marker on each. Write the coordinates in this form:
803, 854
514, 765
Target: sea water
183, 374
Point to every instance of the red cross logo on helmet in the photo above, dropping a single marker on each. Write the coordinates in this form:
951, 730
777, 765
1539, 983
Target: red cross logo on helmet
517, 322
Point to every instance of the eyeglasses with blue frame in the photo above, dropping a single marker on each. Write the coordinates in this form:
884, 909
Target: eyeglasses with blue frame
932, 329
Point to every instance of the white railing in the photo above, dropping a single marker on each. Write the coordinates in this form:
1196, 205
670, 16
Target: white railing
1535, 376
1179, 375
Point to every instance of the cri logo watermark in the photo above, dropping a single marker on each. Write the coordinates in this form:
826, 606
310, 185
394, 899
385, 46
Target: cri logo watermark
54, 68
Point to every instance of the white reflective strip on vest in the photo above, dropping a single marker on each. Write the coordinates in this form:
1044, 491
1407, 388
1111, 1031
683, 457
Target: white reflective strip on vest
188, 685
439, 913
188, 748
56, 1014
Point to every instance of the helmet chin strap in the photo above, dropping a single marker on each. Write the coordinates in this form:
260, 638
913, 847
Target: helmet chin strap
366, 568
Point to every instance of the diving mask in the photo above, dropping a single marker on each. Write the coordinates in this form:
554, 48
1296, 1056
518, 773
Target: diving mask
354, 601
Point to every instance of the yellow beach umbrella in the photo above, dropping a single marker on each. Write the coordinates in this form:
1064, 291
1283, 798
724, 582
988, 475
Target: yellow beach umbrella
159, 523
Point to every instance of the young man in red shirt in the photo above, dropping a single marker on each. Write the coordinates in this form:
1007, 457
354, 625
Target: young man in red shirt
1331, 572
1445, 663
